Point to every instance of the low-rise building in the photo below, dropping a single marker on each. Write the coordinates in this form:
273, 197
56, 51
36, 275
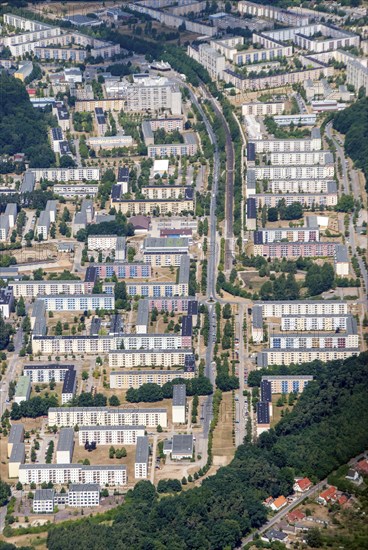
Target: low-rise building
65, 446
16, 435
43, 501
179, 404
23, 389
182, 446
84, 495
16, 459
141, 458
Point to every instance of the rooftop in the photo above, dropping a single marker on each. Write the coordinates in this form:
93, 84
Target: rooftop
44, 494
182, 444
179, 395
142, 450
66, 439
83, 487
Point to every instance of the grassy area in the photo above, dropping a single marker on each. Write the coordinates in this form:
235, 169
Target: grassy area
223, 446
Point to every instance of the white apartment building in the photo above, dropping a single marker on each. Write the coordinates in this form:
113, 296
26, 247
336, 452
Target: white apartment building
34, 289
307, 307
47, 345
357, 73
210, 58
148, 358
46, 373
179, 404
157, 290
292, 234
308, 200
314, 143
141, 458
66, 174
164, 191
287, 383
316, 340
147, 207
102, 242
330, 322
103, 416
43, 501
110, 435
62, 474
79, 302
43, 225
287, 356
262, 11
84, 495
294, 172
109, 142
165, 258
300, 186
153, 94
260, 108
74, 190
135, 379
65, 446
301, 157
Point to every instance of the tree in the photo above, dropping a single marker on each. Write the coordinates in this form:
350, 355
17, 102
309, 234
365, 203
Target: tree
226, 311
59, 328
114, 401
5, 493
345, 203
272, 214
21, 307
66, 161
314, 538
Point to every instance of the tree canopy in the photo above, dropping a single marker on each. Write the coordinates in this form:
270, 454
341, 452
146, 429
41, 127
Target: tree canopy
326, 427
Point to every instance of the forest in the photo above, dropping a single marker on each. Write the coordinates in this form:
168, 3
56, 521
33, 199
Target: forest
23, 129
353, 122
326, 427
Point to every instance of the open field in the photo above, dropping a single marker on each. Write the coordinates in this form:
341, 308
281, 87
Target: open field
223, 446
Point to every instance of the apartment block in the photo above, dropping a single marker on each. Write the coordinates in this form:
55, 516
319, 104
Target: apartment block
188, 148
34, 289
136, 270
332, 322
148, 358
46, 373
43, 501
79, 302
157, 290
22, 390
180, 304
84, 495
71, 191
102, 242
65, 446
314, 143
306, 355
154, 207
292, 234
301, 158
110, 435
16, 436
295, 249
63, 474
16, 459
69, 386
103, 416
109, 142
294, 172
166, 192
300, 186
211, 59
262, 11
66, 174
260, 108
179, 404
141, 458
308, 200
307, 307
135, 379
164, 258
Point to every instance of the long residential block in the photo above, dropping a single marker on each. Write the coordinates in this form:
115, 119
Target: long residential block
79, 302
110, 435
66, 174
148, 358
62, 474
33, 289
295, 249
287, 356
288, 383
104, 416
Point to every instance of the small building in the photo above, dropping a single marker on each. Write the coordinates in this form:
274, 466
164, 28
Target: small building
278, 503
182, 446
362, 466
17, 457
24, 70
65, 447
328, 496
140, 223
160, 167
43, 501
141, 458
69, 386
84, 495
295, 516
23, 389
302, 485
16, 435
341, 260
179, 404
6, 302
142, 317
263, 416
274, 535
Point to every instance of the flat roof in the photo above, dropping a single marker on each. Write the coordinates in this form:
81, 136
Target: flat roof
286, 377
186, 325
341, 253
49, 366
184, 269
257, 317
263, 412
266, 391
143, 312
69, 381
111, 410
138, 372
66, 439
82, 487
72, 466
16, 433
182, 444
142, 450
18, 453
179, 395
44, 494
124, 427
23, 385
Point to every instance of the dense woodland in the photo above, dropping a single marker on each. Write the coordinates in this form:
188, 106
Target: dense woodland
353, 122
326, 427
23, 129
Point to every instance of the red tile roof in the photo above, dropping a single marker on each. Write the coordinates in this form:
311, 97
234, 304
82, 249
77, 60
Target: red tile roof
362, 466
329, 494
295, 515
304, 484
279, 502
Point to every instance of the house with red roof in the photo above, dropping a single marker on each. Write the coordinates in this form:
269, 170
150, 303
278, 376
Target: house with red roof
302, 485
295, 516
329, 496
362, 466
